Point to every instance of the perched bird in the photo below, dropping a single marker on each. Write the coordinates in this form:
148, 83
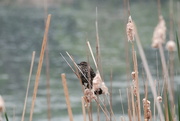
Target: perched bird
87, 75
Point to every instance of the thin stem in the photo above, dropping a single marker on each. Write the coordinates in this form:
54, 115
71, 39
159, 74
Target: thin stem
66, 93
129, 105
27, 90
136, 82
159, 7
165, 72
121, 101
40, 66
48, 93
83, 109
133, 107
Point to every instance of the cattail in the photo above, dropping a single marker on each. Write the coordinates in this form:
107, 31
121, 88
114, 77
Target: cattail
147, 109
99, 86
2, 105
159, 99
134, 88
133, 75
104, 88
171, 45
88, 96
130, 30
97, 82
159, 34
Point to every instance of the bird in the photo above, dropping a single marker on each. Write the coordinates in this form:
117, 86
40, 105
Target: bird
87, 73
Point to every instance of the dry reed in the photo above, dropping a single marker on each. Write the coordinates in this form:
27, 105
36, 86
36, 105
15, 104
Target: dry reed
110, 94
97, 43
133, 106
121, 103
27, 90
39, 66
83, 109
129, 104
137, 85
66, 94
48, 93
48, 86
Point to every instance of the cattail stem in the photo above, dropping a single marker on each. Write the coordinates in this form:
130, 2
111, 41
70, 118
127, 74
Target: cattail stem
171, 59
165, 72
136, 82
89, 112
171, 63
159, 7
48, 93
66, 93
110, 96
155, 99
89, 46
98, 111
166, 103
148, 73
83, 109
27, 90
133, 106
129, 106
121, 102
39, 66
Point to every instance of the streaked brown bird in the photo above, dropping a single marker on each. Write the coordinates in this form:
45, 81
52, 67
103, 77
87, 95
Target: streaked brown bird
87, 73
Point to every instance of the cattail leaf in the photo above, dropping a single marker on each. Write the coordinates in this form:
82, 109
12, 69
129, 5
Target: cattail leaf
169, 111
6, 116
179, 107
178, 46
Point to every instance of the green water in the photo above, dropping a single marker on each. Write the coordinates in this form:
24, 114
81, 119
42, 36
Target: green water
21, 33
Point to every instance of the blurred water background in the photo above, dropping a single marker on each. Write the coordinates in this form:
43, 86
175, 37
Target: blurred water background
72, 23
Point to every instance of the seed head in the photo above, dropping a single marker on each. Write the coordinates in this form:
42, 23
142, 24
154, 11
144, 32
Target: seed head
130, 30
159, 99
147, 108
171, 46
133, 75
159, 35
88, 96
99, 86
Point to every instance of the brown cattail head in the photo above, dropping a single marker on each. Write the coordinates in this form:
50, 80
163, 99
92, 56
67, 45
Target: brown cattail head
171, 45
159, 99
97, 82
134, 87
130, 30
2, 105
88, 96
147, 108
133, 75
104, 88
159, 35
99, 86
